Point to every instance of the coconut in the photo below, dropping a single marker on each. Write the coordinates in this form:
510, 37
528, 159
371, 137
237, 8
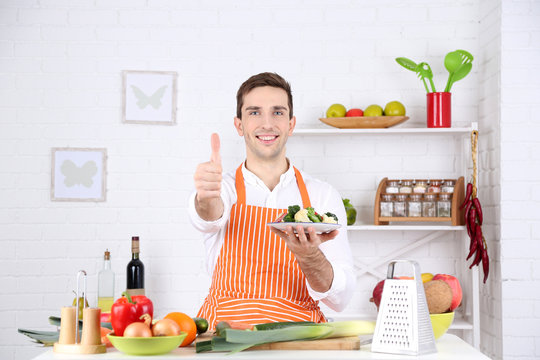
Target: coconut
438, 295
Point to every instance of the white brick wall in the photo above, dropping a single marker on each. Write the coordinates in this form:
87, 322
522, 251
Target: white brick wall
519, 267
60, 85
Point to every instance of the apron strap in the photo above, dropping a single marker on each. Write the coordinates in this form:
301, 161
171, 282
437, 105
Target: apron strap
241, 188
302, 187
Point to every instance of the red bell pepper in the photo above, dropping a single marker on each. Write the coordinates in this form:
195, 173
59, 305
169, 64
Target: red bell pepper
129, 309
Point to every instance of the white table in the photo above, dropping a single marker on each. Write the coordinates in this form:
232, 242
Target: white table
449, 347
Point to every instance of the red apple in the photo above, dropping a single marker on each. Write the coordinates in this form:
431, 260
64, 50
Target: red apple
456, 289
377, 294
354, 112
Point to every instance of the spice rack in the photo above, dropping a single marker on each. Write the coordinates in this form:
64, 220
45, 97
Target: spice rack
457, 216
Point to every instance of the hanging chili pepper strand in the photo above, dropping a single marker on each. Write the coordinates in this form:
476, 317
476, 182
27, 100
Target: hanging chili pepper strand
474, 216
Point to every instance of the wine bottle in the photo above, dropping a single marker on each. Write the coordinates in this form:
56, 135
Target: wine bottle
135, 270
106, 284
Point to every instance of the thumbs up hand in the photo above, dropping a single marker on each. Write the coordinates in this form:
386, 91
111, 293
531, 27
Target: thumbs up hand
215, 157
208, 177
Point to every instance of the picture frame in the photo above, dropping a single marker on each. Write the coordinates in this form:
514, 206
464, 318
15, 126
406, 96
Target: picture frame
149, 97
78, 174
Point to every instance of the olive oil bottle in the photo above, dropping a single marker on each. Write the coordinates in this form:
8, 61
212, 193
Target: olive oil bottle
106, 284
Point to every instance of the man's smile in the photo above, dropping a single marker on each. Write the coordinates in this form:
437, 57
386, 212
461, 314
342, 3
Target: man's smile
267, 139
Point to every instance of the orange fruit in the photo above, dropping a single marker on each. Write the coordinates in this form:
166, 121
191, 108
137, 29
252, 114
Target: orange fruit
104, 339
186, 324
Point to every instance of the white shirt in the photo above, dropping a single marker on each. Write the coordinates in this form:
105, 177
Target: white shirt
324, 198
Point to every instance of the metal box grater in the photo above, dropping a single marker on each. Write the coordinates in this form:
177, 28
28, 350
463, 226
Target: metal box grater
403, 323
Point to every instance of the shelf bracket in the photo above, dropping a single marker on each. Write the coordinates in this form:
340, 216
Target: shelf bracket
372, 268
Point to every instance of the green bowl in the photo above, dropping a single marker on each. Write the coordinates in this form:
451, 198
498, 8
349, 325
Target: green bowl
155, 345
441, 323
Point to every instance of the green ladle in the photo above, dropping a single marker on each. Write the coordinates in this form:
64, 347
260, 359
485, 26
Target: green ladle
460, 73
423, 70
453, 61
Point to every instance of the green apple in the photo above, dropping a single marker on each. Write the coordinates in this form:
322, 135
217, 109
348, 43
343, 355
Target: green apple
336, 110
373, 110
394, 108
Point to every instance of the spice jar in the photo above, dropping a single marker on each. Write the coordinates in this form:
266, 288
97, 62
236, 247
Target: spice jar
406, 187
400, 205
414, 205
448, 186
444, 205
435, 186
429, 208
392, 187
387, 205
420, 187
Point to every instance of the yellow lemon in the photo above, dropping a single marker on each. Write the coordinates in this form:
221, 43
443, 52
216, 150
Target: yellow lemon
373, 110
426, 277
394, 108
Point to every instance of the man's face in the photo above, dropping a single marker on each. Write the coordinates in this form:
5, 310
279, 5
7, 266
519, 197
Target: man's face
265, 123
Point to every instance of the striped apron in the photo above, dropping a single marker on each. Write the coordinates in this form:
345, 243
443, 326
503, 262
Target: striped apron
257, 278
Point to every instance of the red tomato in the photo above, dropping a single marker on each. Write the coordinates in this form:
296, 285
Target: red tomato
354, 112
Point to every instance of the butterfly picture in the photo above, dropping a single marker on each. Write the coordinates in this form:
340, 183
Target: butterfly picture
149, 97
144, 100
78, 174
75, 175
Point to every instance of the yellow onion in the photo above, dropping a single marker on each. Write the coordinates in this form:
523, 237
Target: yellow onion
139, 329
166, 327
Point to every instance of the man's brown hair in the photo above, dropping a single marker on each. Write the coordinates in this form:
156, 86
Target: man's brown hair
259, 80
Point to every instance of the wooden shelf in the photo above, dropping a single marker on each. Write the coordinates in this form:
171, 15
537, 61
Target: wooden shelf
398, 130
367, 227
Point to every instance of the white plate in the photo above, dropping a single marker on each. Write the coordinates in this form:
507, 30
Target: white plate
319, 227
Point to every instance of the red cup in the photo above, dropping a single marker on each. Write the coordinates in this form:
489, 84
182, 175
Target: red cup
439, 108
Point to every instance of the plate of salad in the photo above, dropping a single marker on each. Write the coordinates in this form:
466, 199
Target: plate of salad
306, 218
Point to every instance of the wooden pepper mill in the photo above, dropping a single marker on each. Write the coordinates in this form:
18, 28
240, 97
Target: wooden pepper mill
90, 341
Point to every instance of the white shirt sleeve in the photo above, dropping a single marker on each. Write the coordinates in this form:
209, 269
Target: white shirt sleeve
214, 231
337, 251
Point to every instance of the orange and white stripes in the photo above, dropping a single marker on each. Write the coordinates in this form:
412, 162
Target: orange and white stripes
256, 278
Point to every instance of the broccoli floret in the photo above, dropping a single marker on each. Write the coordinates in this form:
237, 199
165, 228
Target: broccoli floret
329, 214
288, 218
293, 209
313, 216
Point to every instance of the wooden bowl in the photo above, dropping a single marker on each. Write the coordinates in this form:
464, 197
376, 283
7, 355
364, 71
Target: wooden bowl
364, 122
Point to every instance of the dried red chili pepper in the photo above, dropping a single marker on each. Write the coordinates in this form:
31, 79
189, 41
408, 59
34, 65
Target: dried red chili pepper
472, 222
473, 248
485, 263
478, 207
479, 248
467, 195
466, 217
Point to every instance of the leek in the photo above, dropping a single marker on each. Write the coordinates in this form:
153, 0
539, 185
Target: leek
47, 338
303, 332
351, 328
281, 325
237, 340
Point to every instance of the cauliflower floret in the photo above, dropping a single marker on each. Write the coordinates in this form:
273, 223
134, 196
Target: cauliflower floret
301, 216
328, 219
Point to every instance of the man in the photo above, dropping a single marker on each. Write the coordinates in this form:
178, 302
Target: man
260, 274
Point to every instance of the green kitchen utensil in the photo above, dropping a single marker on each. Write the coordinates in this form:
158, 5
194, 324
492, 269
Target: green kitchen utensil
423, 70
460, 73
407, 63
453, 61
